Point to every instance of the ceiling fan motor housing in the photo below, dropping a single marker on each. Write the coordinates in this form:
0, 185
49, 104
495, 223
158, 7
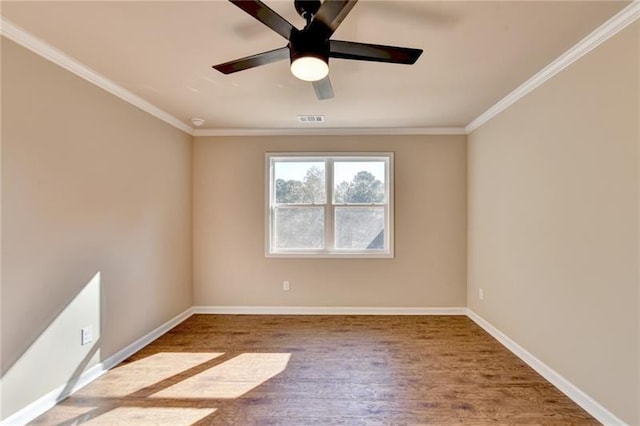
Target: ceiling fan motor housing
304, 43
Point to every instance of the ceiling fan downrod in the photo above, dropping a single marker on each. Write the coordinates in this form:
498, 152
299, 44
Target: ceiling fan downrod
307, 9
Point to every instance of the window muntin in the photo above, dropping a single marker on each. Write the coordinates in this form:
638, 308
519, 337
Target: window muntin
327, 205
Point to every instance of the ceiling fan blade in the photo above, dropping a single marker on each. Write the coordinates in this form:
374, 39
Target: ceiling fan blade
253, 61
373, 52
330, 15
323, 88
266, 15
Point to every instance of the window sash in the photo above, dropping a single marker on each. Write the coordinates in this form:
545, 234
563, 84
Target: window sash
330, 206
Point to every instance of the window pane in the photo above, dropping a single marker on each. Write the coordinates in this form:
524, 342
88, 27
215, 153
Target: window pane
359, 228
359, 182
299, 227
300, 182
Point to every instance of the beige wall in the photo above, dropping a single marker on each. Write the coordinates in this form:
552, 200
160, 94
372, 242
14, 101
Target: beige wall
430, 228
90, 184
553, 223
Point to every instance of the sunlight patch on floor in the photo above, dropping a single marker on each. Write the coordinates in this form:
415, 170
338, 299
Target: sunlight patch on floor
132, 377
231, 379
151, 416
61, 414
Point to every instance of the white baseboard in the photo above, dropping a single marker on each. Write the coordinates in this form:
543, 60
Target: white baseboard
49, 400
590, 405
125, 353
322, 310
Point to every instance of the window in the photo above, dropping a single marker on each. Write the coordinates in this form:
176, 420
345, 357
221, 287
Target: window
329, 205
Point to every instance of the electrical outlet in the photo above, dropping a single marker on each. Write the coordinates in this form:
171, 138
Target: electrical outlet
86, 335
285, 285
481, 294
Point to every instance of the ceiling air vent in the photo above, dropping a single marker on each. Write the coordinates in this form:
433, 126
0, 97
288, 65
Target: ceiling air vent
311, 118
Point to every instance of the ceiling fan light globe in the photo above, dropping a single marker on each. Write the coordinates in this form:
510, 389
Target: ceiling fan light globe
309, 68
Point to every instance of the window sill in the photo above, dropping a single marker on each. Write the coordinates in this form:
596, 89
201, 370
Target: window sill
331, 255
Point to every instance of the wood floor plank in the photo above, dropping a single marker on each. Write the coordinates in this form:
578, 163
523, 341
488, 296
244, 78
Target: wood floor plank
320, 370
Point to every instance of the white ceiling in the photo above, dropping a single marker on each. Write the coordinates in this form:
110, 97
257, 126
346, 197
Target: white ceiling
475, 53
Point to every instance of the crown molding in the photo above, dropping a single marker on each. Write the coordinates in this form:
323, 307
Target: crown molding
22, 37
333, 131
601, 34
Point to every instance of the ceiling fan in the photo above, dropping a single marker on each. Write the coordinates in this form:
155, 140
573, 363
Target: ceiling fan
309, 49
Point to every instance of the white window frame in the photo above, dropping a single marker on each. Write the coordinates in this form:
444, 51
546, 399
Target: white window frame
329, 207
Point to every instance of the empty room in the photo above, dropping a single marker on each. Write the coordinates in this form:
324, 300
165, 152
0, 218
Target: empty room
254, 212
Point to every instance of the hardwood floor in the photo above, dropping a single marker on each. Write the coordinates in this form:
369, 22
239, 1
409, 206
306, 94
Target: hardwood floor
320, 370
